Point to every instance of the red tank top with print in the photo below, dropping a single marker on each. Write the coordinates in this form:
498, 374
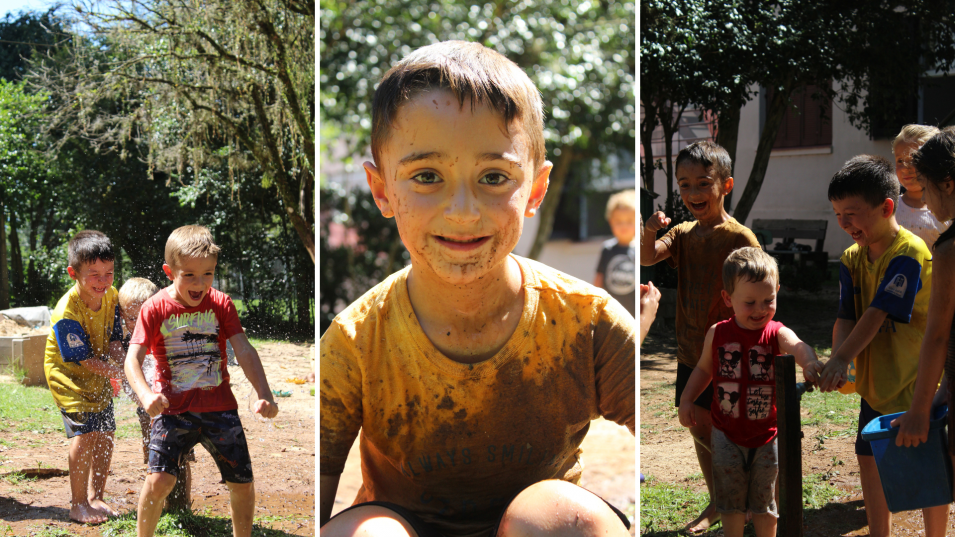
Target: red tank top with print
744, 382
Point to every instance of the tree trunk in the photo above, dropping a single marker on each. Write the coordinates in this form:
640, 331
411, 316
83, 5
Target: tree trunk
4, 274
727, 135
649, 123
558, 178
671, 123
16, 259
774, 118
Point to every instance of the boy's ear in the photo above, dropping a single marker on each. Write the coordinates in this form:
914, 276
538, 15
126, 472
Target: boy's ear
168, 270
727, 185
726, 298
377, 185
71, 272
888, 206
538, 189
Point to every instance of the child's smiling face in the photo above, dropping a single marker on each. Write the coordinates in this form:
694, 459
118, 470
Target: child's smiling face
754, 303
191, 279
93, 280
458, 184
701, 191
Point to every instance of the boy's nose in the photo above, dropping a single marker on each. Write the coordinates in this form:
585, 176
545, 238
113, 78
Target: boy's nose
462, 207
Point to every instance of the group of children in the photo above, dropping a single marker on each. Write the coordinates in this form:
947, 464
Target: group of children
99, 334
726, 336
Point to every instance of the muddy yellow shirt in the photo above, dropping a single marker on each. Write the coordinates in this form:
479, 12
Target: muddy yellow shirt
898, 283
80, 334
454, 442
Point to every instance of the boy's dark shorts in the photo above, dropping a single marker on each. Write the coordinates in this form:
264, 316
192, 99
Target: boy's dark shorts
219, 432
423, 529
683, 372
77, 423
866, 414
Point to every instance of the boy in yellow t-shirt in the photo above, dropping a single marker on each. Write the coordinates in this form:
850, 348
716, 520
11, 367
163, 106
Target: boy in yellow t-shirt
884, 285
84, 350
473, 375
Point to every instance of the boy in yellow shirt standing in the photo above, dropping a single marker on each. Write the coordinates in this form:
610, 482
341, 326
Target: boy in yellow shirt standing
84, 350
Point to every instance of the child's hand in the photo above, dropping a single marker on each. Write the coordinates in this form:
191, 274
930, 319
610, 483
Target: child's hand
154, 404
656, 222
834, 375
913, 428
812, 371
267, 409
687, 417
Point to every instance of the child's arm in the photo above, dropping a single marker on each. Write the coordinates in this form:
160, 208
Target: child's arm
913, 425
251, 365
153, 403
701, 376
849, 338
653, 251
805, 356
327, 487
599, 280
104, 367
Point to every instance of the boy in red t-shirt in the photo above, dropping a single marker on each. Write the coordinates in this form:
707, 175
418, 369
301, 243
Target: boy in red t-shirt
185, 327
738, 358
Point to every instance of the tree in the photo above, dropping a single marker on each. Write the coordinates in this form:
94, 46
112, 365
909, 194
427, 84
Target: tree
180, 79
577, 53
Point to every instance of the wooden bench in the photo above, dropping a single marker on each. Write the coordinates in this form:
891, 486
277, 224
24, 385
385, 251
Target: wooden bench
788, 252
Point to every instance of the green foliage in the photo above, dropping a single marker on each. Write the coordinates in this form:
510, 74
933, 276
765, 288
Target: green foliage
358, 246
185, 524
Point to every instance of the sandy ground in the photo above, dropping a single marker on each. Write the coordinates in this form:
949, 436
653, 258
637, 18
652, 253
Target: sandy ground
667, 454
282, 451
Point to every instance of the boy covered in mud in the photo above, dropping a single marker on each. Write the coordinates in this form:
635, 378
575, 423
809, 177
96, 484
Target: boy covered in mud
83, 351
185, 327
473, 374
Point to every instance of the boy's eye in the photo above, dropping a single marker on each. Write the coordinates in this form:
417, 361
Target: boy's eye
426, 178
493, 179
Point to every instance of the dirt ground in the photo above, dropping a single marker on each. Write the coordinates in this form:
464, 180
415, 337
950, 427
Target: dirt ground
608, 455
283, 459
667, 454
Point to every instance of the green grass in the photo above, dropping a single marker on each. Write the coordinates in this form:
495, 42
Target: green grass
830, 409
817, 492
28, 408
665, 508
183, 524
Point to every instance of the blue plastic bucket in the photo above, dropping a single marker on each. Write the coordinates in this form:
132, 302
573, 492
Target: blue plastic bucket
912, 477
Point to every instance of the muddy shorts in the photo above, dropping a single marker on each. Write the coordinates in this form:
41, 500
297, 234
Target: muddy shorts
683, 373
77, 423
145, 426
220, 433
743, 478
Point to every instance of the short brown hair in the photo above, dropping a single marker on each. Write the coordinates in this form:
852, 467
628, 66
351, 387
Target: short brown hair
190, 241
136, 291
914, 134
472, 72
707, 154
748, 264
625, 199
89, 246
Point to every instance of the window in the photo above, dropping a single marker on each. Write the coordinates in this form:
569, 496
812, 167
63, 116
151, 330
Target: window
807, 122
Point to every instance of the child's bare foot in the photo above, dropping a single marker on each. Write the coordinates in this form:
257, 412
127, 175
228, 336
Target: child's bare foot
707, 519
84, 513
103, 507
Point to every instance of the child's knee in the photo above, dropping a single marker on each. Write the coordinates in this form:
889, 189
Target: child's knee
159, 485
242, 490
535, 510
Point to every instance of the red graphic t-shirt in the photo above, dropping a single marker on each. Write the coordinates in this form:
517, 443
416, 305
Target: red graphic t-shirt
744, 382
189, 345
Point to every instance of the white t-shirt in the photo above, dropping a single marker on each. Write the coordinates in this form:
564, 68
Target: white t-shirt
921, 222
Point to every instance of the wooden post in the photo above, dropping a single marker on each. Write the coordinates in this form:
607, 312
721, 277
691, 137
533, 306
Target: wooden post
790, 448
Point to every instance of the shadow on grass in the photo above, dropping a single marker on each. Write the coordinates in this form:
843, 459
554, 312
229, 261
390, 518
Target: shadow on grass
13, 511
184, 524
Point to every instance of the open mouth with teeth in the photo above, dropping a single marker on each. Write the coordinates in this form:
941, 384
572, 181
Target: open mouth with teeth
462, 243
195, 295
698, 206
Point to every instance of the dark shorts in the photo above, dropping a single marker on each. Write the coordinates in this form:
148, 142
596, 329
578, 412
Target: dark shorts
866, 414
219, 432
77, 423
683, 373
423, 529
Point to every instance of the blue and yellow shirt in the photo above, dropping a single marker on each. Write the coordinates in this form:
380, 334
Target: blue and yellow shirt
79, 334
898, 283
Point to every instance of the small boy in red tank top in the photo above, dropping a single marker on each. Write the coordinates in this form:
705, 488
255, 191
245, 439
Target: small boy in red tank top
738, 358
